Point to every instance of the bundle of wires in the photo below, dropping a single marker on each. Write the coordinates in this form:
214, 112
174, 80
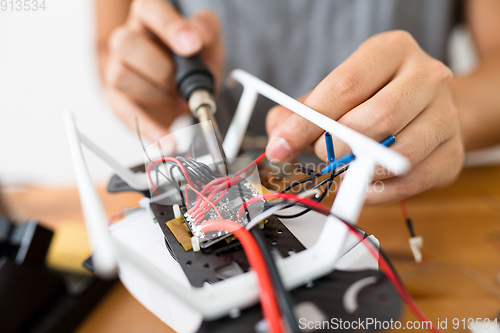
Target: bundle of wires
275, 300
207, 198
206, 184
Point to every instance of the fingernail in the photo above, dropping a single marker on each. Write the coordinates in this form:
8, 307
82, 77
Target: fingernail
278, 149
189, 40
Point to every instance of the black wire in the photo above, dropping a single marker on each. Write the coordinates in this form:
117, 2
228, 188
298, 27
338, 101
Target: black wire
171, 180
202, 173
302, 181
205, 167
305, 210
409, 224
321, 197
209, 170
195, 174
145, 152
283, 297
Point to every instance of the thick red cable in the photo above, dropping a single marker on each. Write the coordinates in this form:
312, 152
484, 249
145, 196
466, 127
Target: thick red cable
267, 296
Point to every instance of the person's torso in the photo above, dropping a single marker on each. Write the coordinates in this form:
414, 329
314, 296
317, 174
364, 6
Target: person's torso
294, 44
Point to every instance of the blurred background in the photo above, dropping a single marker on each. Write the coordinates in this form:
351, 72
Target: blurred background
48, 65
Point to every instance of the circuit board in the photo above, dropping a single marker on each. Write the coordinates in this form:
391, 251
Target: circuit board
228, 207
210, 264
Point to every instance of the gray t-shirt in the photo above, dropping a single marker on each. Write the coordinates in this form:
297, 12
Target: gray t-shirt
294, 44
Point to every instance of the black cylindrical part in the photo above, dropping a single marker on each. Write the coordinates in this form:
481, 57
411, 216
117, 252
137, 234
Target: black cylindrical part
192, 75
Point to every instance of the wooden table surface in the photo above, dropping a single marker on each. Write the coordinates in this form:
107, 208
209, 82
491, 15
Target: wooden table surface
458, 278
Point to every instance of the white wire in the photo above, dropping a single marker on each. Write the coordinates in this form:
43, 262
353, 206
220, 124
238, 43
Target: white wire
264, 215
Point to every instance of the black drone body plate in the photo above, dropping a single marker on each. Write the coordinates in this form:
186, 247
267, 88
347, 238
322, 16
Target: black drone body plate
201, 266
378, 304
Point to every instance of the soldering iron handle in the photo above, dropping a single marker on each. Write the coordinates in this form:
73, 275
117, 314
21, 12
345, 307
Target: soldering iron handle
191, 75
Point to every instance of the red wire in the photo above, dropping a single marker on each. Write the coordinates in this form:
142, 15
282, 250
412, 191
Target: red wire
391, 275
198, 208
257, 160
395, 281
286, 196
404, 210
205, 199
220, 184
164, 159
267, 296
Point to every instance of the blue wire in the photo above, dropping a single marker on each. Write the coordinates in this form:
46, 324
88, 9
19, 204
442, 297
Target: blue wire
350, 157
389, 141
329, 147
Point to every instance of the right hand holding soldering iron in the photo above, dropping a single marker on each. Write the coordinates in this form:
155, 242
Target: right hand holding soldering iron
139, 71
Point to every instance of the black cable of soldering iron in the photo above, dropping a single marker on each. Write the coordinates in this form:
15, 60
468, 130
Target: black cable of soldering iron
283, 297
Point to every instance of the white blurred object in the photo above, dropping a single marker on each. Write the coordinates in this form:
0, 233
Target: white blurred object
462, 52
483, 157
416, 244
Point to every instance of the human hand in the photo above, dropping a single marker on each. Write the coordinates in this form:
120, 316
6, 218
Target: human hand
388, 86
139, 72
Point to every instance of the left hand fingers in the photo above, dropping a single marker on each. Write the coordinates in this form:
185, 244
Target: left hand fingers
438, 170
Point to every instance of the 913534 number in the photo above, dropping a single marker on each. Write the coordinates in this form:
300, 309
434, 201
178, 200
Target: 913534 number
22, 5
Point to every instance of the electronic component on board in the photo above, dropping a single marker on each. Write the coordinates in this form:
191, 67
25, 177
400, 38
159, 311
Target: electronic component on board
185, 226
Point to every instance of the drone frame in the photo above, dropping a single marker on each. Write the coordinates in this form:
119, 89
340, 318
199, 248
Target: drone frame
241, 291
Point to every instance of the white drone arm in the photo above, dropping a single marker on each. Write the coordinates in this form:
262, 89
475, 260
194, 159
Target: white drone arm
137, 181
104, 257
368, 152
